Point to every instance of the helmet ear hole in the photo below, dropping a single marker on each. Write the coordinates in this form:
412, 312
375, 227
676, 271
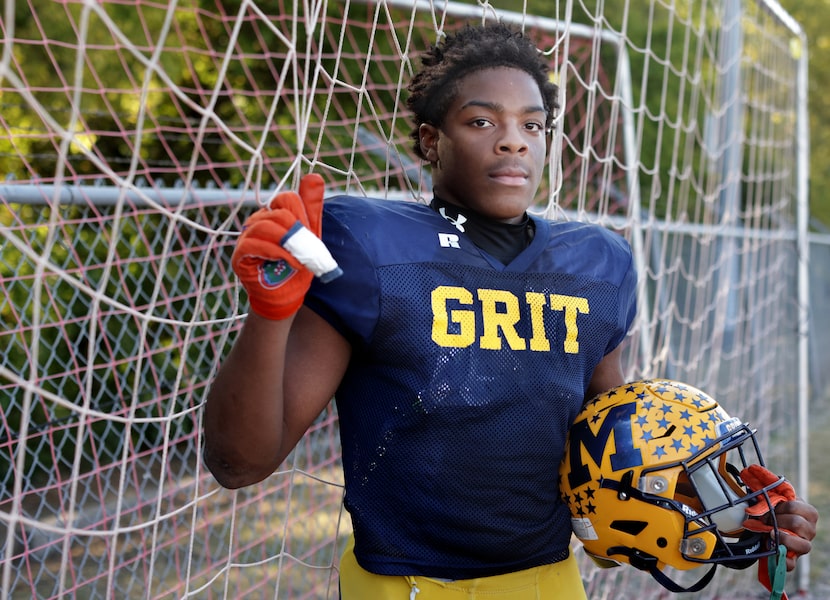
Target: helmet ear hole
629, 527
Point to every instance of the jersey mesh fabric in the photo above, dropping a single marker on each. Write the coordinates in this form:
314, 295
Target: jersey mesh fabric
454, 409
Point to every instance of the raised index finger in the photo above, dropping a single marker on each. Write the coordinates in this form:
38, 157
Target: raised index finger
312, 188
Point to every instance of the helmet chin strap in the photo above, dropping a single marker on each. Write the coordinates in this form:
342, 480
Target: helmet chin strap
648, 563
771, 572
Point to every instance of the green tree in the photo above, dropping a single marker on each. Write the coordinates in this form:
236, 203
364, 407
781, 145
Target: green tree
650, 26
814, 18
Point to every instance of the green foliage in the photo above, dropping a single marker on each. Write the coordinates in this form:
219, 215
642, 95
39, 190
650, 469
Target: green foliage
115, 125
814, 18
675, 100
244, 77
95, 355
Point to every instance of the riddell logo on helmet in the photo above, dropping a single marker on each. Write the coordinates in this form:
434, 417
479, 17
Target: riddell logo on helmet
728, 426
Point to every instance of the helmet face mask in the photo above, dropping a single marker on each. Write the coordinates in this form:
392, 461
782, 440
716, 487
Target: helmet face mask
651, 475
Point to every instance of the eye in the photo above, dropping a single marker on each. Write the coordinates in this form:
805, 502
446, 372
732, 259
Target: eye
481, 123
535, 126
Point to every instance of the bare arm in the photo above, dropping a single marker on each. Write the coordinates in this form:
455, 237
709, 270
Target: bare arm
607, 374
277, 378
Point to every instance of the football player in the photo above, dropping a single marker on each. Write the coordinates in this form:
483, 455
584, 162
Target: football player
460, 342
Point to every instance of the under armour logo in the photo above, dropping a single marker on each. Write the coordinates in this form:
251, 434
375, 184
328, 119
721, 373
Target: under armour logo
458, 222
448, 240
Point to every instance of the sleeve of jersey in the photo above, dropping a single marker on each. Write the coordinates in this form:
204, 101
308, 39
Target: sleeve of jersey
627, 294
350, 302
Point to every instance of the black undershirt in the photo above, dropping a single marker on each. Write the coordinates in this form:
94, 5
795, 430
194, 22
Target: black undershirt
504, 241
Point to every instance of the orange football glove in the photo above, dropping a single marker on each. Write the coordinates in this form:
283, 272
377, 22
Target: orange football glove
279, 251
773, 574
757, 477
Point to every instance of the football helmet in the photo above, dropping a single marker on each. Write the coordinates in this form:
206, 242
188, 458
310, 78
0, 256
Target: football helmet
651, 474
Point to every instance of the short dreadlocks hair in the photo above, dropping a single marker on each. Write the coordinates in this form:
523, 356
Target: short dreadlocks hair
471, 49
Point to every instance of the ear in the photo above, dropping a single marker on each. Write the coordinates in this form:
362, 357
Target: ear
428, 136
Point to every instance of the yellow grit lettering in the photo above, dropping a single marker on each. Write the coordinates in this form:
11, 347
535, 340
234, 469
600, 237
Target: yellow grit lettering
500, 312
458, 314
571, 306
464, 319
539, 342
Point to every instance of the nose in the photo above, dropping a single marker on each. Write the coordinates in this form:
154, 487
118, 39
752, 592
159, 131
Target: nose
511, 141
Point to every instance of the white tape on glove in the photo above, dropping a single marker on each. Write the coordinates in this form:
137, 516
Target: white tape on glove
311, 252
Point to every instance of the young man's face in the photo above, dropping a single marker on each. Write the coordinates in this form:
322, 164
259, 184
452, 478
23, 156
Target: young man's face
490, 153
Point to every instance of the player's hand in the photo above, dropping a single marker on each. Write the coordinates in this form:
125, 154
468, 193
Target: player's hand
797, 522
795, 518
276, 281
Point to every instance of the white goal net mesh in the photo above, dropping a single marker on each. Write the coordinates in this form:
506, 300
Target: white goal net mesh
136, 136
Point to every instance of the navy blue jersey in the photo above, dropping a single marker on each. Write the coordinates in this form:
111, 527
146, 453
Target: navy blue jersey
465, 376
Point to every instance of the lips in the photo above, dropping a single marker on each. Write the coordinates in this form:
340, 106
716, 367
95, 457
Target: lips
511, 176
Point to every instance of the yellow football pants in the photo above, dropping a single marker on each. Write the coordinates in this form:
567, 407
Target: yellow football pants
549, 582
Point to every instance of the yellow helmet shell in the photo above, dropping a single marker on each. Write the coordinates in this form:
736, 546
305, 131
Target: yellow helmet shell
633, 456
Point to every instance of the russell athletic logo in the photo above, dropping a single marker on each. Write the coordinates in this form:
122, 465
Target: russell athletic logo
448, 240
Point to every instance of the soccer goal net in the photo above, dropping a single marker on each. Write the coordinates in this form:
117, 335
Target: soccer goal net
135, 138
